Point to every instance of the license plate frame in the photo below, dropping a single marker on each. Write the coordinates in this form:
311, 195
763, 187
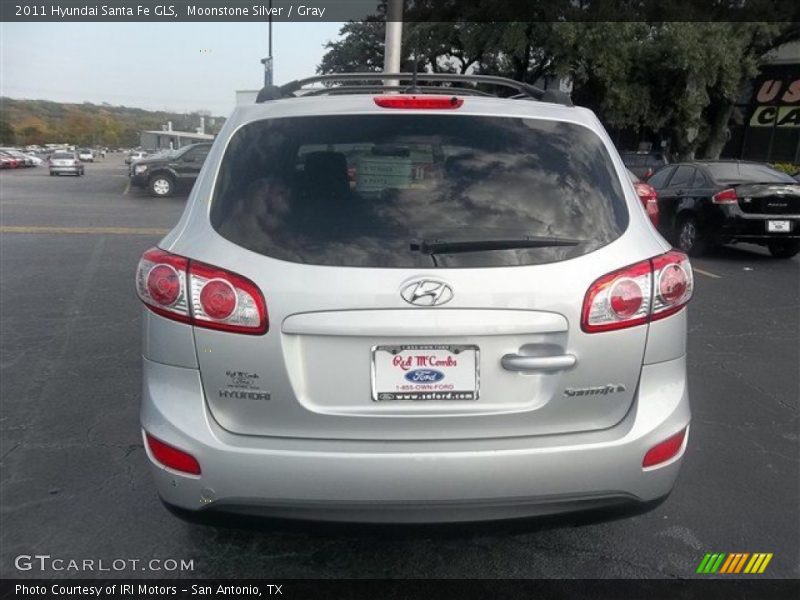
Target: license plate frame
378, 379
779, 226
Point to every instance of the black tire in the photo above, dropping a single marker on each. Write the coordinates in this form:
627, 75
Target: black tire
161, 186
784, 248
689, 237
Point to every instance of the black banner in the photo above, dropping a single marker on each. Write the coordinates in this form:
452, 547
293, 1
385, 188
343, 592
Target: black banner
414, 10
358, 589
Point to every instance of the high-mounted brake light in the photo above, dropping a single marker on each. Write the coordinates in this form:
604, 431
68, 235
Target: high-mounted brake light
727, 196
419, 102
646, 291
203, 295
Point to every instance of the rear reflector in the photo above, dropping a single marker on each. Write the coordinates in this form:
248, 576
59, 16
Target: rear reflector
664, 451
420, 102
172, 457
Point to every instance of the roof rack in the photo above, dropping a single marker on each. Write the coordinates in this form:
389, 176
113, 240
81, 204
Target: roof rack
522, 90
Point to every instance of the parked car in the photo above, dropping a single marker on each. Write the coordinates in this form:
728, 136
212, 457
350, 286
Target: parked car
648, 195
86, 155
65, 162
134, 156
7, 162
644, 164
464, 333
163, 174
10, 161
23, 160
704, 203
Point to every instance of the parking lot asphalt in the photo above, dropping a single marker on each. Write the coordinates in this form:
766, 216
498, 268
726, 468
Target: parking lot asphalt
74, 482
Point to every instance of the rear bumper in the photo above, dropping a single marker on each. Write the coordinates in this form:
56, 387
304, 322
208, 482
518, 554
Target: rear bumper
419, 481
741, 226
75, 169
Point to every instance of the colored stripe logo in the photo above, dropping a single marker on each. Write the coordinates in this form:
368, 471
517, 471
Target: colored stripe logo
734, 563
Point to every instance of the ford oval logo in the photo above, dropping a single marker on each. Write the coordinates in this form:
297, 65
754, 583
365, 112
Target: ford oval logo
427, 292
424, 376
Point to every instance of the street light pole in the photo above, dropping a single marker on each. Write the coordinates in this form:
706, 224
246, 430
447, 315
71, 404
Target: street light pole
267, 62
394, 40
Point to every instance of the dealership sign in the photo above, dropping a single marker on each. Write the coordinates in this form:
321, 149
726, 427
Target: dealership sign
777, 104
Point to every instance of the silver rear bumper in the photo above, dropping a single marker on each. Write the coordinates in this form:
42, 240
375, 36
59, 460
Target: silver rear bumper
417, 481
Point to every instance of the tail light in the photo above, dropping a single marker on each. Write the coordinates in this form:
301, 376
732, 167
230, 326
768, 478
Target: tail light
664, 451
419, 102
649, 197
205, 296
171, 457
727, 196
638, 294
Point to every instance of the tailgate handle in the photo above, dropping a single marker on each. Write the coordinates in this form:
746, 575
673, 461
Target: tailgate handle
517, 362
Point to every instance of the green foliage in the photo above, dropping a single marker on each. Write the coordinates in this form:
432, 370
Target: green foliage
7, 135
44, 122
681, 78
789, 168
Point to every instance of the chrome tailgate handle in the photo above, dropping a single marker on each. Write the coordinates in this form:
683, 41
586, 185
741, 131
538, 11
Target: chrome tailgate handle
518, 362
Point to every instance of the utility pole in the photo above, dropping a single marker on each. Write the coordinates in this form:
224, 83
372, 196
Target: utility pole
394, 40
267, 62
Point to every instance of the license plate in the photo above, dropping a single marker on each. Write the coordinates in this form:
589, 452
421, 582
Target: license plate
433, 372
779, 226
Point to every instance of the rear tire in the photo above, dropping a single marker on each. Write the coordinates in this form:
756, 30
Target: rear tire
689, 238
784, 248
161, 186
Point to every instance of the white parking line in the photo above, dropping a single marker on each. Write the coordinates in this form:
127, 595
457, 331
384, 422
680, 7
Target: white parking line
706, 273
127, 189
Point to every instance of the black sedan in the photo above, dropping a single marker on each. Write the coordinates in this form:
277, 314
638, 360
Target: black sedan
717, 202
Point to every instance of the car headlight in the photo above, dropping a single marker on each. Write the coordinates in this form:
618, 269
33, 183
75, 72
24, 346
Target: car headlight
139, 169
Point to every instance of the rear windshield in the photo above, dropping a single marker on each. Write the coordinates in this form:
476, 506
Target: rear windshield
394, 191
63, 155
747, 173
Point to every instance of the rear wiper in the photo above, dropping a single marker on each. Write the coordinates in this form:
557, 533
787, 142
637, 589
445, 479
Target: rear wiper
438, 246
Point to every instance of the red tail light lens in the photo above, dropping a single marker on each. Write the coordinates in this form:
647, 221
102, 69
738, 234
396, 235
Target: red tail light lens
164, 284
419, 102
171, 457
649, 197
725, 197
161, 284
664, 451
203, 295
643, 292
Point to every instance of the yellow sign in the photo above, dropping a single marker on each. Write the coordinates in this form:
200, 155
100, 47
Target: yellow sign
780, 116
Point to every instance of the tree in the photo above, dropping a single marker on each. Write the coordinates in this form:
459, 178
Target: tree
678, 78
7, 136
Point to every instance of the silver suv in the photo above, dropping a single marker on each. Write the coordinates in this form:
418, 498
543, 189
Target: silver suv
413, 307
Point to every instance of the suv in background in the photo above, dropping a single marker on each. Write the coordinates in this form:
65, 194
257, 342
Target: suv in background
413, 307
65, 161
703, 203
644, 164
165, 173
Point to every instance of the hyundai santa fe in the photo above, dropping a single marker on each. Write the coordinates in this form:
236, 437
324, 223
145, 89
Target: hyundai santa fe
413, 307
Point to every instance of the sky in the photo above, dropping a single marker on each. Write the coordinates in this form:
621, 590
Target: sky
156, 66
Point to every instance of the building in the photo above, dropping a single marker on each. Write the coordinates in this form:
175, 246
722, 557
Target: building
170, 139
765, 125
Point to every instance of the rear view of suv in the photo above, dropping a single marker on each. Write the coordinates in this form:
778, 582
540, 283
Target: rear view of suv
411, 307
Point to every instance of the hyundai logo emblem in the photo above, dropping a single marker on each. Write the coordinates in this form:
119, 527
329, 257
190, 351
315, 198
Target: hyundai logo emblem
427, 292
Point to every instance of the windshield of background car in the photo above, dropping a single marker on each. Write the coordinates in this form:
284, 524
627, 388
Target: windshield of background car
747, 172
358, 190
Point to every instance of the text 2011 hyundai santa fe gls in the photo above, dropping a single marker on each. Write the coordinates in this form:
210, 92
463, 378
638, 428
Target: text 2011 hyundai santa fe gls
411, 307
